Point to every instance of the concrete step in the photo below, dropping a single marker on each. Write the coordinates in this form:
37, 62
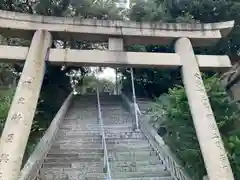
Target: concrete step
132, 156
158, 173
108, 134
76, 173
80, 158
74, 110
72, 115
113, 156
82, 141
84, 132
98, 137
77, 138
79, 134
93, 166
96, 150
123, 146
71, 174
93, 126
122, 114
136, 168
72, 156
79, 121
147, 178
146, 162
106, 122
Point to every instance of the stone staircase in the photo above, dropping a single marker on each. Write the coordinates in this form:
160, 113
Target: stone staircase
77, 154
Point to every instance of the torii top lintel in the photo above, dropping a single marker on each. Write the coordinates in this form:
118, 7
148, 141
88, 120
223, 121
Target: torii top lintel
16, 24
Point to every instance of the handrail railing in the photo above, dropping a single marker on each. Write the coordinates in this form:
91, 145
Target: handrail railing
134, 100
106, 165
163, 151
35, 161
158, 144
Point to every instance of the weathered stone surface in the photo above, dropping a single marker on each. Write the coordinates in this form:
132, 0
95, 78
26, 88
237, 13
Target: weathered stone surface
21, 113
212, 148
77, 150
101, 30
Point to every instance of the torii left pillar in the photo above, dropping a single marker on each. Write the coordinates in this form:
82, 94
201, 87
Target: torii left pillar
20, 116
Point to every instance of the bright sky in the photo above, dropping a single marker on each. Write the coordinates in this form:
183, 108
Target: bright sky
108, 73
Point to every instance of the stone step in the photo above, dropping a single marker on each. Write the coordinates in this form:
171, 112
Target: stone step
71, 155
96, 132
122, 114
113, 156
53, 154
146, 162
116, 165
92, 166
112, 107
81, 110
71, 158
95, 120
158, 173
91, 116
106, 122
75, 173
81, 141
74, 138
96, 150
136, 168
147, 178
83, 119
98, 137
122, 146
79, 134
132, 156
93, 126
71, 174
108, 134
84, 132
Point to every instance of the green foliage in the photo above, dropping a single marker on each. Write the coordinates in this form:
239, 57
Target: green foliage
172, 112
90, 83
6, 95
151, 82
203, 11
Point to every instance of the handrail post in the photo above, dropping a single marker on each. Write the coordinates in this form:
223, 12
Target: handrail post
134, 100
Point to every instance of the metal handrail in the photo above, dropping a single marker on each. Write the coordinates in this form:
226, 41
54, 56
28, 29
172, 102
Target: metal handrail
106, 165
176, 170
168, 159
134, 100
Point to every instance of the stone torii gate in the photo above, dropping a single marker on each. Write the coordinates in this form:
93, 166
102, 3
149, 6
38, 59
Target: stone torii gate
43, 29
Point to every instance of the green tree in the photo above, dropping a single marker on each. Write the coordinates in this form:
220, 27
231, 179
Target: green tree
172, 112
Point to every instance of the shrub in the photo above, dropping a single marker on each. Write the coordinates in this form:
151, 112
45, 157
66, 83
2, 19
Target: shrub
181, 137
6, 95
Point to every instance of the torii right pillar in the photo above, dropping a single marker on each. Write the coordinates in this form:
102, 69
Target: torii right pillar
212, 148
